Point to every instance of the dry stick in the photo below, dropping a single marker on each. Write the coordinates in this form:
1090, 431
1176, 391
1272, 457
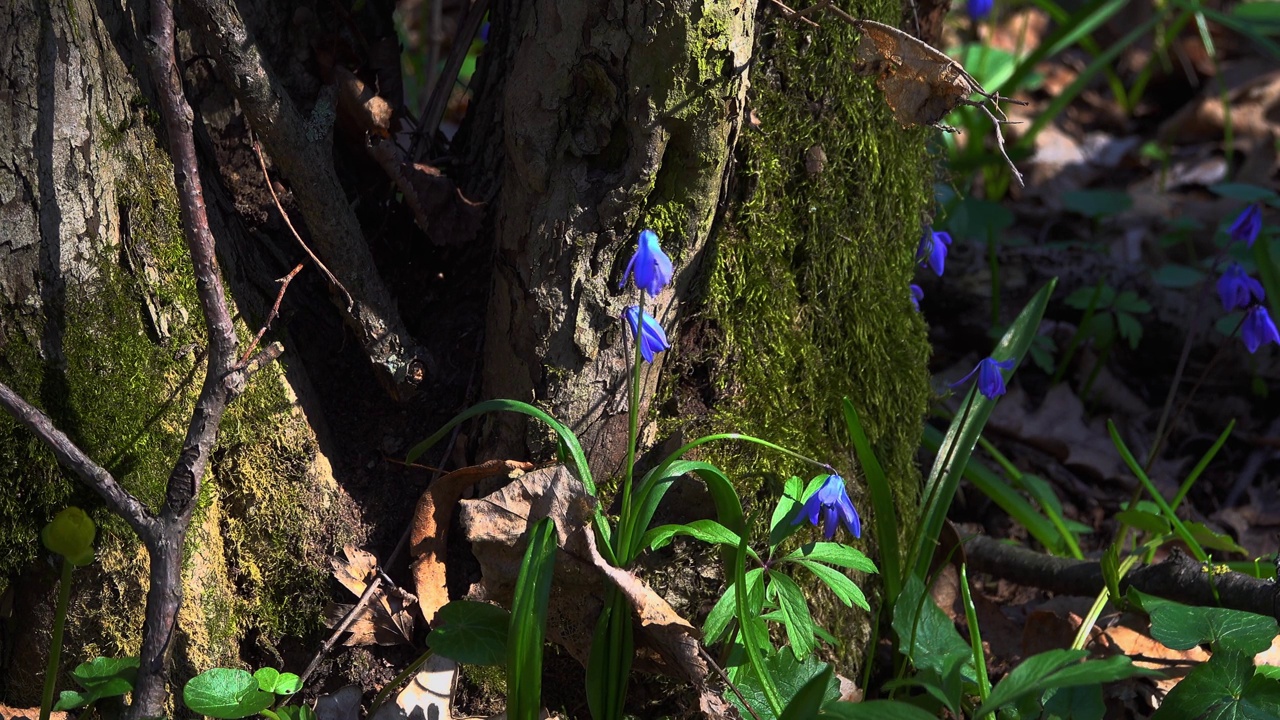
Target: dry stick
796, 14
433, 111
257, 150
1178, 577
719, 671
275, 312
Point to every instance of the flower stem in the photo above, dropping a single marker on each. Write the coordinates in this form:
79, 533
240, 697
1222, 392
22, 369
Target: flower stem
55, 644
633, 431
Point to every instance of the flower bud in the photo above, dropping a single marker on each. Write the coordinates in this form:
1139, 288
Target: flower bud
71, 536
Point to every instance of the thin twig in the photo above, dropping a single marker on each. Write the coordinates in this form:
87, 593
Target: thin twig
275, 312
365, 597
790, 14
257, 150
719, 671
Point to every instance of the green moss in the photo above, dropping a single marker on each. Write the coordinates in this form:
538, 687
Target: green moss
809, 290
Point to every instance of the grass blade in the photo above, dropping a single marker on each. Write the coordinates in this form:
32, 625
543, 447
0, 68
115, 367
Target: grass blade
886, 513
528, 623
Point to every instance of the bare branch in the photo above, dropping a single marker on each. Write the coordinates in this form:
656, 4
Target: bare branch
275, 311
73, 458
1178, 578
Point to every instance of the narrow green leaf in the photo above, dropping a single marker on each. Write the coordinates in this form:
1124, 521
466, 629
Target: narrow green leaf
528, 623
844, 588
833, 554
882, 504
652, 488
1179, 528
781, 524
795, 613
750, 602
875, 710
708, 531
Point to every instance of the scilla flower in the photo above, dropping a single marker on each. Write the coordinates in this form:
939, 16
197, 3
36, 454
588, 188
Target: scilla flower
1247, 225
979, 9
1258, 329
932, 252
1237, 290
990, 379
652, 267
652, 338
830, 506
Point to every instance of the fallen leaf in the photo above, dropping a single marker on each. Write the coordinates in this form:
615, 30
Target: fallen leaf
429, 530
385, 619
361, 104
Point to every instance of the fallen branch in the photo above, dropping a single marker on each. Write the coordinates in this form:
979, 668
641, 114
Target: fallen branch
1178, 577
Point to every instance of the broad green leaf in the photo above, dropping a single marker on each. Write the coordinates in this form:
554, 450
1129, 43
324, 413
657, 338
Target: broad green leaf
726, 607
101, 678
809, 699
296, 712
875, 710
1214, 540
1054, 669
273, 681
1224, 688
845, 589
788, 675
781, 525
795, 613
1143, 520
72, 699
1244, 192
469, 632
926, 635
833, 554
708, 531
1079, 702
1097, 203
1130, 329
1183, 627
226, 693
1129, 301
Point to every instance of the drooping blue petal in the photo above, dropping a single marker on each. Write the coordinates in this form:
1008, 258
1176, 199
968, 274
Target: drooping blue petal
979, 9
652, 338
829, 506
1247, 225
1237, 290
932, 252
652, 267
917, 294
1258, 329
990, 379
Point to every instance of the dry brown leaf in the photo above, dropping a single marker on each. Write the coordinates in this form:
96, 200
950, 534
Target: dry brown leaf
497, 526
429, 531
357, 571
361, 104
1057, 427
385, 619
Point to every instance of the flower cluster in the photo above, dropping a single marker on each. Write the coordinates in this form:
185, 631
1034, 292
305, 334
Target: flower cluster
1238, 291
930, 253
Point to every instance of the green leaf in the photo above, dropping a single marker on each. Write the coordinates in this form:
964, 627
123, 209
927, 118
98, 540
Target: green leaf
1079, 702
845, 589
882, 503
101, 669
226, 693
1083, 298
1130, 329
963, 434
1097, 203
1183, 627
273, 681
1143, 520
1214, 540
1054, 669
528, 622
809, 699
71, 699
296, 712
708, 531
472, 633
780, 525
1244, 192
833, 554
875, 710
749, 602
791, 677
1130, 302
653, 487
795, 614
926, 635
1224, 688
1178, 277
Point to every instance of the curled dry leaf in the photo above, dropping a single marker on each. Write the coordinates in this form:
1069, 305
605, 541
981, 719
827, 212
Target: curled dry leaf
429, 532
361, 105
385, 619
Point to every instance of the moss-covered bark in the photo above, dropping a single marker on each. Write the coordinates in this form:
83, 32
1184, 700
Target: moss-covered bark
809, 290
100, 327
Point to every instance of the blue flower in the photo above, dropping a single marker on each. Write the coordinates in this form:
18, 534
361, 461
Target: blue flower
652, 266
1258, 330
932, 252
829, 506
1237, 290
979, 9
917, 294
990, 379
653, 339
1247, 225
